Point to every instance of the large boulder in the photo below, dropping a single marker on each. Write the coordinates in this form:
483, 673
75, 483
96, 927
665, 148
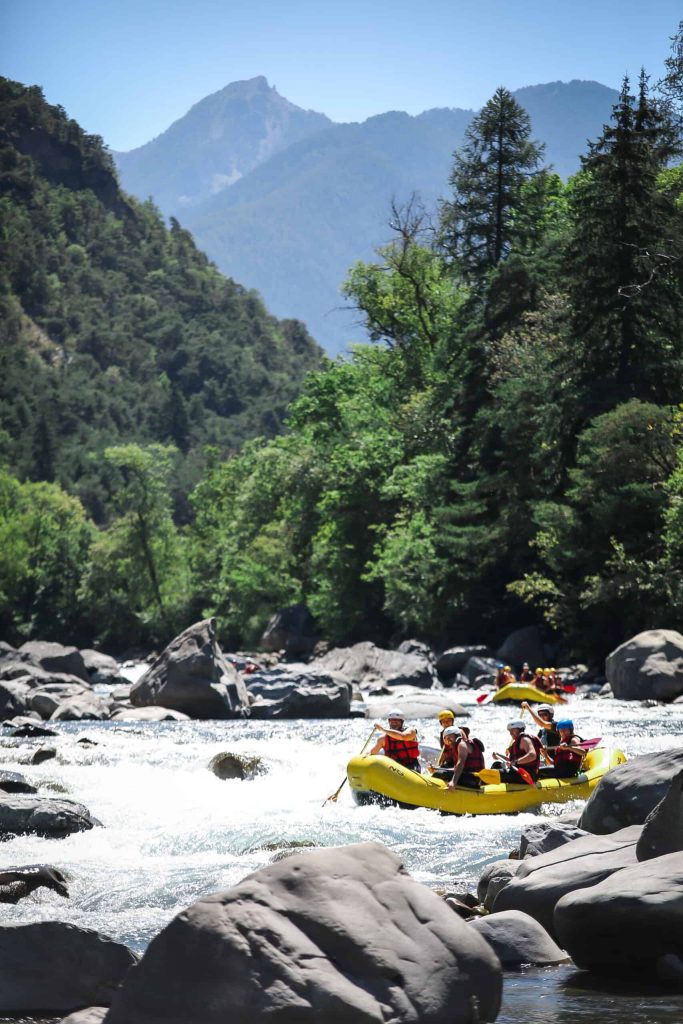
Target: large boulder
292, 630
24, 815
453, 660
663, 829
13, 782
479, 670
649, 665
14, 699
341, 935
299, 691
518, 939
235, 766
46, 699
91, 1015
627, 794
102, 668
56, 658
366, 665
493, 878
627, 923
193, 676
84, 707
16, 883
544, 836
50, 967
523, 645
541, 881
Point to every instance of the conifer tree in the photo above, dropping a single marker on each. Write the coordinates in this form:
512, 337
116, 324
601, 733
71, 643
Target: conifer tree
499, 156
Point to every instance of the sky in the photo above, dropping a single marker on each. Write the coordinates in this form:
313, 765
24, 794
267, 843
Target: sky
126, 69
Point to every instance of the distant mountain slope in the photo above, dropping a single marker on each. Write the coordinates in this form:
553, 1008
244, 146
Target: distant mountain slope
294, 224
114, 328
216, 143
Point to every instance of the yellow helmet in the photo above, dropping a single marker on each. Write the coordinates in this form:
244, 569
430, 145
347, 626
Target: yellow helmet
446, 714
508, 669
539, 671
547, 672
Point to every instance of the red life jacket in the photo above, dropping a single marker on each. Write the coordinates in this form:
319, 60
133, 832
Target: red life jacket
475, 756
403, 751
515, 751
569, 755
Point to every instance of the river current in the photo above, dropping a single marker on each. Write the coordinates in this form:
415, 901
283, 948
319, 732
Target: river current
174, 832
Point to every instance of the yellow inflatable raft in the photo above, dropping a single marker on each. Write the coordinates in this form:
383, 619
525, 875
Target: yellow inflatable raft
524, 691
378, 777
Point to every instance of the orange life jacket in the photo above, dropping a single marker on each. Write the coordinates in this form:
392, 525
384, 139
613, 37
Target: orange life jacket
515, 751
403, 751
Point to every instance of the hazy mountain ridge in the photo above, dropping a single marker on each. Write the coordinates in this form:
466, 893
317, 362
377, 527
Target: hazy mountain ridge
293, 224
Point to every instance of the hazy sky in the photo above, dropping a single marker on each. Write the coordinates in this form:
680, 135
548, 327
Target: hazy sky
125, 69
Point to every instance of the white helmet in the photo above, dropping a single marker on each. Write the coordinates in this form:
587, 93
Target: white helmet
396, 713
452, 730
516, 723
545, 707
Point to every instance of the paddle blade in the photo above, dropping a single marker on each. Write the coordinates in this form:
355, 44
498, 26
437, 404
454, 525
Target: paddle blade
489, 776
589, 744
569, 688
525, 775
483, 697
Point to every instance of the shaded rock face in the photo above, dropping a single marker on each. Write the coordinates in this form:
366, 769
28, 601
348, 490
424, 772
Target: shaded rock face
663, 829
628, 922
235, 766
16, 883
541, 881
300, 691
87, 707
13, 700
627, 794
493, 878
102, 668
23, 815
56, 968
292, 630
45, 700
453, 661
648, 665
518, 939
343, 935
93, 1015
366, 665
13, 782
56, 658
544, 836
480, 670
193, 676
523, 645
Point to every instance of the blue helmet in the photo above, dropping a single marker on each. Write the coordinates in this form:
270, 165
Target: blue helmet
565, 723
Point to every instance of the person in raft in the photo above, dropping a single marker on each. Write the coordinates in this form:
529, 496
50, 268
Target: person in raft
524, 751
545, 717
398, 743
460, 758
446, 720
526, 675
567, 756
504, 676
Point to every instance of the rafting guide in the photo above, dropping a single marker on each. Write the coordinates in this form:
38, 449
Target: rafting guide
398, 743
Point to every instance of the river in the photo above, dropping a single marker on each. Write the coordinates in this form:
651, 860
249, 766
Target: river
174, 832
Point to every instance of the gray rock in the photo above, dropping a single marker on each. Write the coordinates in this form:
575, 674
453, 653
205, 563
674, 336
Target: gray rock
46, 699
51, 967
43, 754
453, 661
13, 699
523, 645
148, 715
93, 1015
305, 702
543, 836
418, 647
541, 881
235, 766
493, 878
16, 883
518, 939
627, 794
26, 727
669, 969
193, 676
102, 668
663, 829
628, 922
648, 665
418, 705
24, 815
292, 630
367, 665
56, 658
341, 935
481, 670
13, 782
85, 707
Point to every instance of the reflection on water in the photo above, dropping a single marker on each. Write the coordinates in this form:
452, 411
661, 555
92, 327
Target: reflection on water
174, 832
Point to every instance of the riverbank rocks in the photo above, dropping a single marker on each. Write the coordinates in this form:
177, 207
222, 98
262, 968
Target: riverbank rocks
366, 665
292, 630
13, 782
453, 661
50, 967
16, 883
479, 671
155, 714
299, 691
648, 665
493, 878
663, 829
83, 707
42, 816
627, 794
102, 668
235, 766
541, 881
56, 658
627, 923
523, 645
341, 935
544, 836
518, 939
192, 675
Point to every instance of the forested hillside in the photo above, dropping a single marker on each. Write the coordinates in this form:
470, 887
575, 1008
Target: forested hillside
114, 328
507, 450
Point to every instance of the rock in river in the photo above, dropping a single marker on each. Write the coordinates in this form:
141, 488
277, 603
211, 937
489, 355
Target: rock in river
366, 664
627, 794
16, 883
648, 665
341, 935
23, 815
518, 939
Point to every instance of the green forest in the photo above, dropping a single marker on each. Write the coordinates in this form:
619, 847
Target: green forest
507, 449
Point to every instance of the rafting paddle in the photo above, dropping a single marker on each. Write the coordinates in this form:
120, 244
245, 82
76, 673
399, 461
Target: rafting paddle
484, 698
522, 772
333, 797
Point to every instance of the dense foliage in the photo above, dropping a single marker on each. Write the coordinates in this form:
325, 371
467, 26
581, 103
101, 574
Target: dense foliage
113, 328
509, 449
